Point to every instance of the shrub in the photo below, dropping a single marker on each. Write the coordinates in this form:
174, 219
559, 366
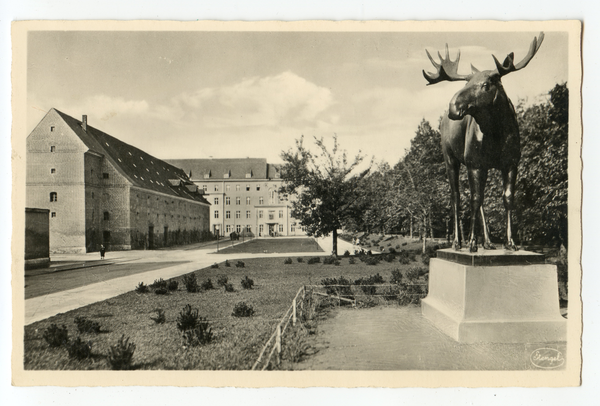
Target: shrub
389, 257
214, 266
241, 309
412, 273
331, 260
339, 287
229, 287
160, 316
300, 259
222, 280
87, 326
346, 253
240, 264
161, 291
56, 336
287, 261
314, 260
159, 284
190, 282
79, 349
397, 246
396, 277
141, 288
391, 251
352, 261
207, 284
173, 285
200, 335
366, 284
247, 283
381, 249
371, 260
227, 263
121, 354
404, 260
187, 319
404, 244
391, 293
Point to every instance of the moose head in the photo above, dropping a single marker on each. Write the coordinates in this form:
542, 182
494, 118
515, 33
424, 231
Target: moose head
480, 131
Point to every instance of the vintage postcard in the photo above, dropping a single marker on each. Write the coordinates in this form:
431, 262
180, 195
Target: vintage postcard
306, 204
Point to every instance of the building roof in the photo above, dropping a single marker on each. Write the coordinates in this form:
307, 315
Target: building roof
229, 168
140, 168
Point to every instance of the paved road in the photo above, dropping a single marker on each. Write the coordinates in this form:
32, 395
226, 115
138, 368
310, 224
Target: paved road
42, 307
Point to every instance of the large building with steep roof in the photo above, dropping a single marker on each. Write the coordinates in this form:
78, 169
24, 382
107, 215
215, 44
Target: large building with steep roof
244, 196
100, 190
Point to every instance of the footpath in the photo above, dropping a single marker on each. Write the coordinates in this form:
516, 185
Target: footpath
42, 307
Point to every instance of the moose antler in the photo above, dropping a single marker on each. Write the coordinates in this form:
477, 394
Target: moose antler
446, 69
508, 65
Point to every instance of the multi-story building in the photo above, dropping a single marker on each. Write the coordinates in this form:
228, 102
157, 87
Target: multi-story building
244, 196
100, 190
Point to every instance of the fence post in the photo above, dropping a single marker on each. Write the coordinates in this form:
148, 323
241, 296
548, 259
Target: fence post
294, 312
278, 343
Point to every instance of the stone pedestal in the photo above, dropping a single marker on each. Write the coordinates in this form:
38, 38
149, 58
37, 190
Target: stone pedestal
494, 296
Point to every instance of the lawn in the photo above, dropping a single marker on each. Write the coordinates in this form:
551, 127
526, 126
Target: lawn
236, 341
52, 282
272, 245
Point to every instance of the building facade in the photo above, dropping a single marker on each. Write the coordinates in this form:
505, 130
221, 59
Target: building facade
100, 190
244, 196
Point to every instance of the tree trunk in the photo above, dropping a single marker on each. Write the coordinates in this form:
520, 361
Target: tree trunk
430, 227
424, 231
334, 236
411, 225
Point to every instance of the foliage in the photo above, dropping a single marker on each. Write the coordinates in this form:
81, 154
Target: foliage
346, 253
247, 283
79, 349
325, 186
242, 309
227, 263
141, 288
240, 264
173, 285
338, 287
120, 355
222, 280
159, 284
161, 291
207, 284
214, 266
229, 287
190, 282
87, 326
187, 319
300, 259
396, 277
352, 261
366, 284
287, 261
200, 335
331, 260
56, 336
160, 316
314, 260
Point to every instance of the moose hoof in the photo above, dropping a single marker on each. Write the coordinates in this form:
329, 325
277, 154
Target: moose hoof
488, 246
472, 246
510, 246
456, 246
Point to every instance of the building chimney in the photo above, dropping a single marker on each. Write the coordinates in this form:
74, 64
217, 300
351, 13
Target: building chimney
84, 122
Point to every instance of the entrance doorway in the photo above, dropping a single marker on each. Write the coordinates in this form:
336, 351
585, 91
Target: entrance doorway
150, 237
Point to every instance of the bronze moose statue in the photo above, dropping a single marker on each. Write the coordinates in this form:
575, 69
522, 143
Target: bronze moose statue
481, 132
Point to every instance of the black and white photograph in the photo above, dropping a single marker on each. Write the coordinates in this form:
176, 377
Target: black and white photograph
323, 204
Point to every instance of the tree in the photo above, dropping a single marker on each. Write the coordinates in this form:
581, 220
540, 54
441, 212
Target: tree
324, 188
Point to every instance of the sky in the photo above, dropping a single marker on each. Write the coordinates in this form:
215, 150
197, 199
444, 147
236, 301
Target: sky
252, 94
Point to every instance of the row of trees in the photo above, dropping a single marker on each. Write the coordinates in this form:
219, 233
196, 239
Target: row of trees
413, 196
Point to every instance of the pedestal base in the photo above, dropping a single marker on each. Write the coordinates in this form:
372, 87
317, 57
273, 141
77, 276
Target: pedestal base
515, 303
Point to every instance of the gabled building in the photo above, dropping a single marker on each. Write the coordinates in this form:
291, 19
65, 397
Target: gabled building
100, 190
244, 196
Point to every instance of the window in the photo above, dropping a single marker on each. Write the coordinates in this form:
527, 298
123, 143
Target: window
260, 214
280, 214
271, 195
248, 175
238, 214
53, 170
293, 229
228, 228
281, 228
258, 188
271, 214
216, 188
227, 187
247, 214
261, 228
247, 188
216, 200
92, 195
53, 197
52, 128
53, 214
248, 200
52, 148
206, 175
237, 188
227, 201
261, 200
238, 228
205, 188
106, 216
227, 214
249, 228
238, 200
105, 175
216, 214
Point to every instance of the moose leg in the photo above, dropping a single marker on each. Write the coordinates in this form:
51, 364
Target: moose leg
477, 180
509, 178
487, 243
452, 169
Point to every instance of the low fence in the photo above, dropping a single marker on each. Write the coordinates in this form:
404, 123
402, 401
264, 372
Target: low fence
350, 294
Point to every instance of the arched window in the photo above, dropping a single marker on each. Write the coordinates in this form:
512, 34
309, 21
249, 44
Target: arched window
53, 197
106, 215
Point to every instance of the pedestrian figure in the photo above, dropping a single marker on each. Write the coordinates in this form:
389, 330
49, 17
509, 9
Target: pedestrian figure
102, 251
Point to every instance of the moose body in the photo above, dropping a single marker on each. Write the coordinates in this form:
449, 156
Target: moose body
480, 131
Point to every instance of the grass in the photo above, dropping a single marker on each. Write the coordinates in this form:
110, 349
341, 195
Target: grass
52, 282
273, 245
236, 341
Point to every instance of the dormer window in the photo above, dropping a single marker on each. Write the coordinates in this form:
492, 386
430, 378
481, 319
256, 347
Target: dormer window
207, 175
227, 175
